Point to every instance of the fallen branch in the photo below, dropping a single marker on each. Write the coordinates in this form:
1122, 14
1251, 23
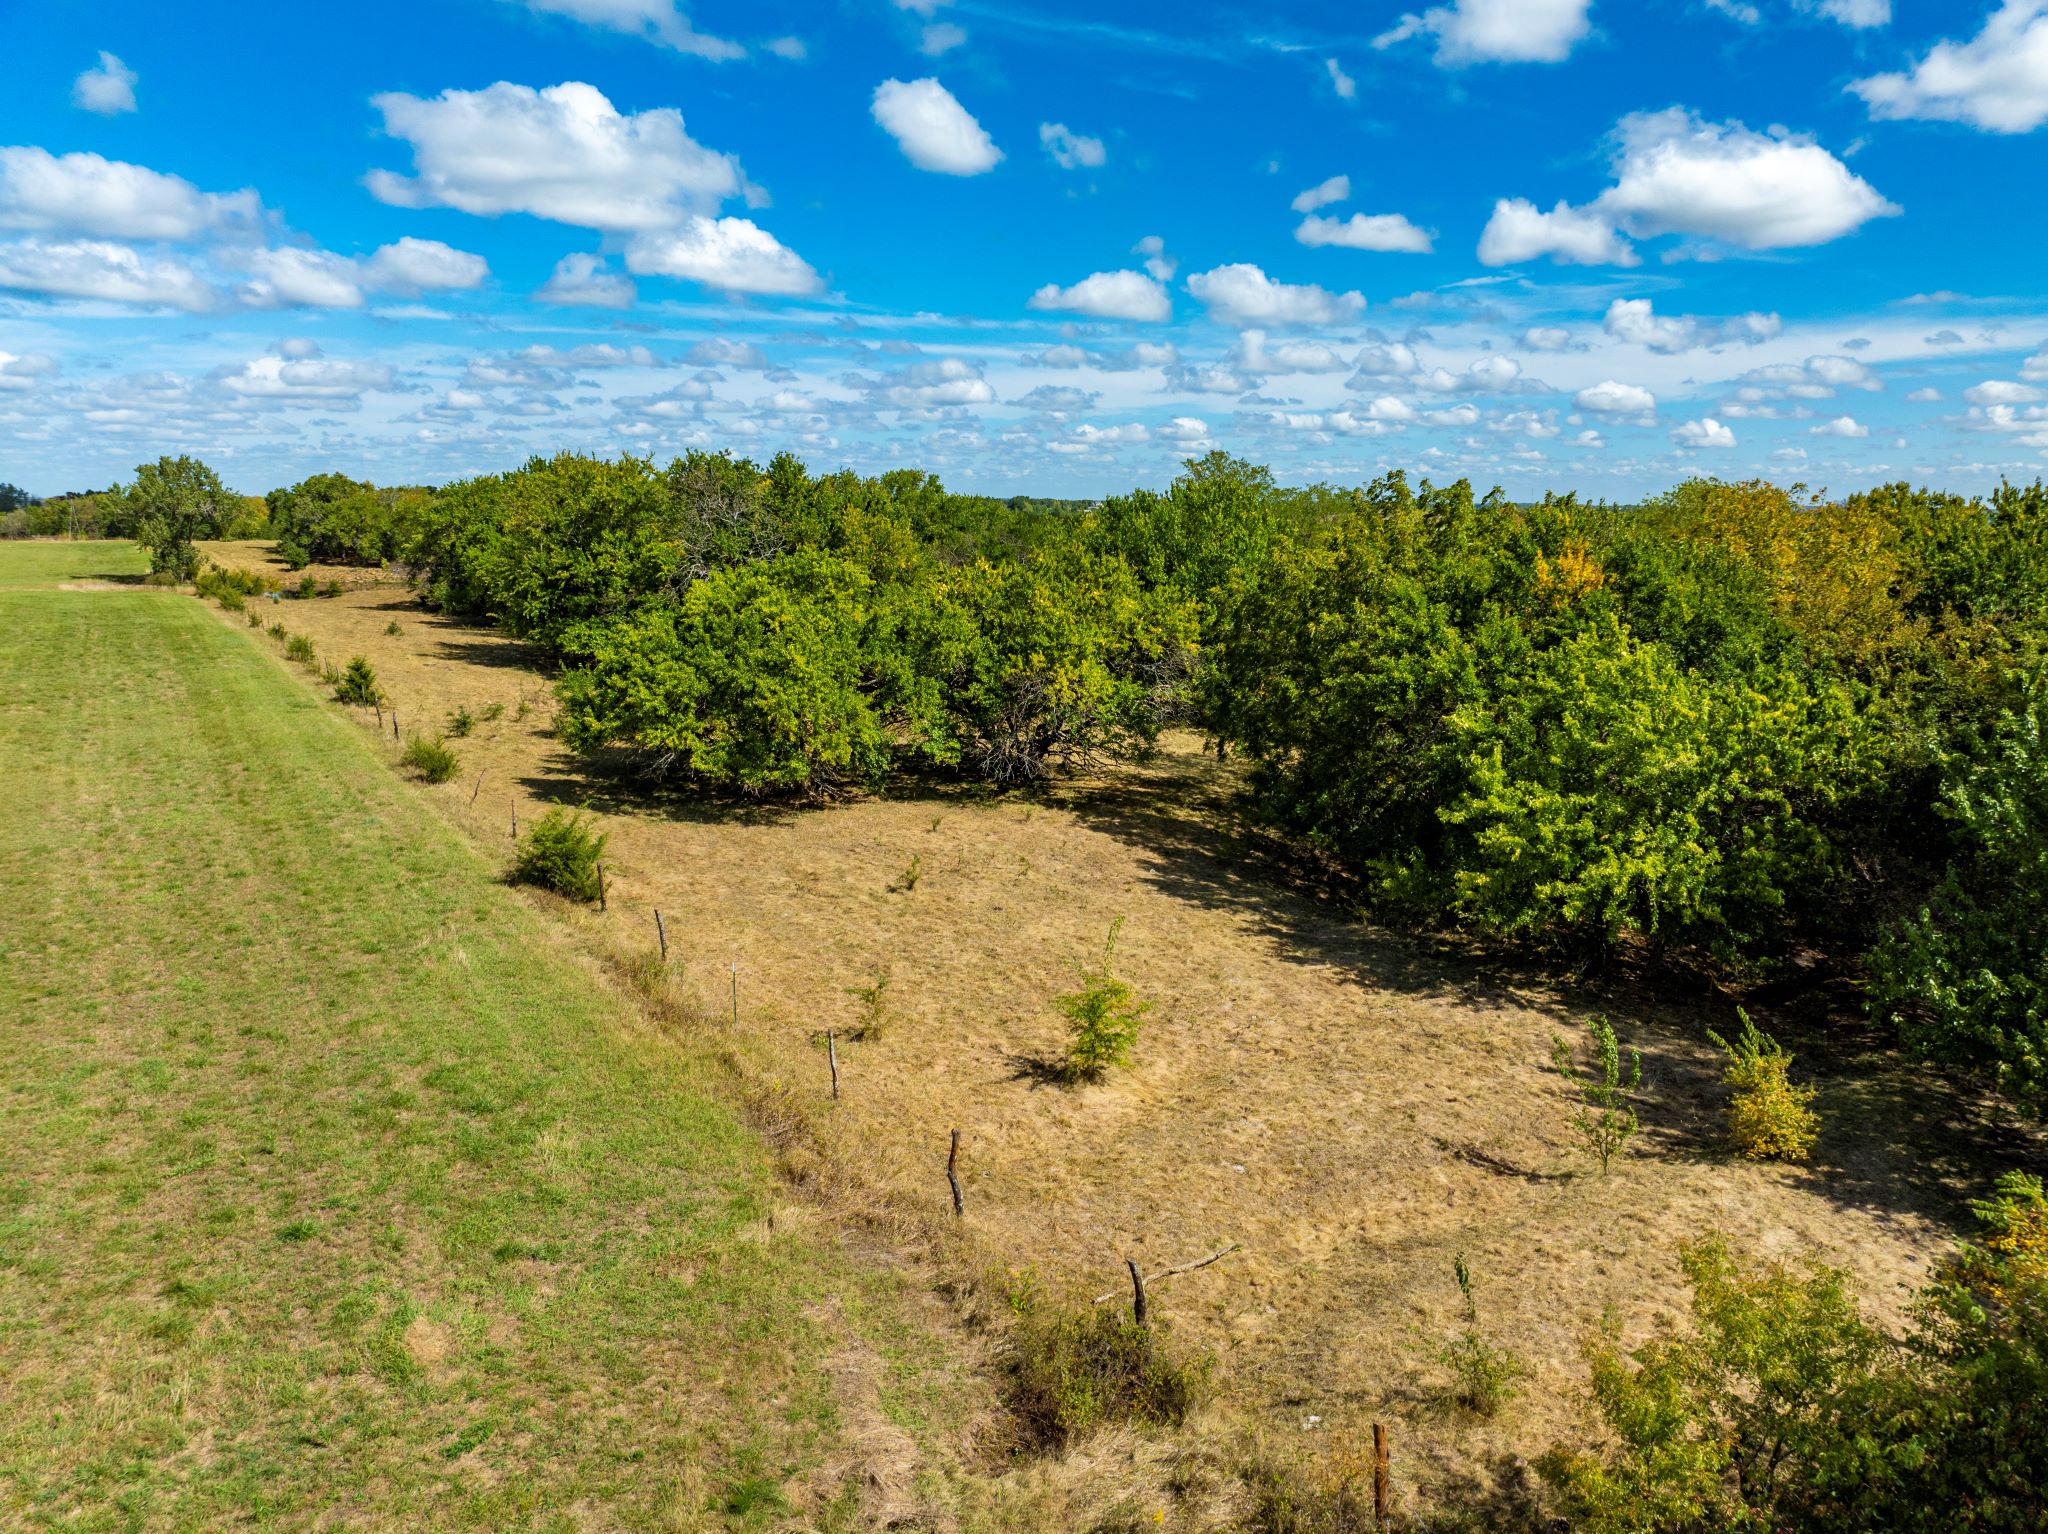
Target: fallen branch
1186, 1267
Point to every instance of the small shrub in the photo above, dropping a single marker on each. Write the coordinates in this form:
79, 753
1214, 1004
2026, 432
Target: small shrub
560, 853
1768, 1118
492, 713
308, 588
874, 1008
433, 761
276, 631
461, 722
231, 601
1073, 1370
524, 707
255, 620
300, 649
1605, 1119
331, 589
393, 629
1104, 1016
358, 684
907, 880
1483, 1374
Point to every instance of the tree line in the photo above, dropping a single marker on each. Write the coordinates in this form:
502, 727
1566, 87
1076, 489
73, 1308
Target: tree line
1732, 719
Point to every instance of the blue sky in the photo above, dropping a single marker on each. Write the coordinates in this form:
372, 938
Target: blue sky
1046, 248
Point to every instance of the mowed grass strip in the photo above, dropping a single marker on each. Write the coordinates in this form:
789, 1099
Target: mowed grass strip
42, 563
330, 1188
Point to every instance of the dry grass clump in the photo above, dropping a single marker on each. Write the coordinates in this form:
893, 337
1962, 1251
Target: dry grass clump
1769, 1119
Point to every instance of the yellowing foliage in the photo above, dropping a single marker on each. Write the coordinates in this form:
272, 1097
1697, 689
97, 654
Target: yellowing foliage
1575, 573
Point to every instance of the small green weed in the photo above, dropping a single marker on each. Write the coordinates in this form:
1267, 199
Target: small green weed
1103, 1016
1605, 1120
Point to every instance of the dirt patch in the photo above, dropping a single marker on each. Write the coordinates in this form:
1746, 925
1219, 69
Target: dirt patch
1354, 1108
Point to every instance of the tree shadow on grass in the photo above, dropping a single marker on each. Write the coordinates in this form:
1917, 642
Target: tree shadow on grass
1898, 1139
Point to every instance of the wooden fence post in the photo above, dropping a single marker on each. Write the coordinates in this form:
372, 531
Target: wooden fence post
661, 932
515, 820
477, 790
601, 905
394, 724
1137, 1292
735, 994
832, 1054
953, 1178
1380, 1518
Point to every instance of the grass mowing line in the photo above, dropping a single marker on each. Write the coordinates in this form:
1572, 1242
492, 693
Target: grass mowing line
36, 562
326, 1186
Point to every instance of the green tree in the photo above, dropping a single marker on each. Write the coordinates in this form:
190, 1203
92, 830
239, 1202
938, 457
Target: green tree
171, 503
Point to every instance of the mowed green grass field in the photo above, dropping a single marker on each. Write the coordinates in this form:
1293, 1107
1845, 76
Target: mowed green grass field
334, 1189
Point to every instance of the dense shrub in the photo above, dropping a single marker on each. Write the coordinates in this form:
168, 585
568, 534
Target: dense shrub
299, 648
560, 852
334, 520
1769, 1118
1965, 976
1785, 1409
358, 684
431, 759
1072, 1370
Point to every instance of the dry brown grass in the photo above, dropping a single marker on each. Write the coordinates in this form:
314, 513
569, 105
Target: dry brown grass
1352, 1107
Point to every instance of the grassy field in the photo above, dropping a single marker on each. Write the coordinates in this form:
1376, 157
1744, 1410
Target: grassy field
335, 1188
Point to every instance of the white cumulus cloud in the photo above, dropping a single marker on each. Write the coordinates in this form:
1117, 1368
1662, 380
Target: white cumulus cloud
1705, 432
1108, 296
108, 90
1071, 150
563, 153
1842, 426
735, 255
1520, 231
101, 269
87, 194
1321, 195
423, 266
1497, 31
1241, 294
1677, 174
1365, 231
1616, 399
1997, 81
583, 279
933, 130
1636, 321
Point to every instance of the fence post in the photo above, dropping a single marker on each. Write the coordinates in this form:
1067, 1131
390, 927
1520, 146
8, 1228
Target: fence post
601, 904
953, 1178
1138, 1312
1380, 1519
832, 1054
661, 932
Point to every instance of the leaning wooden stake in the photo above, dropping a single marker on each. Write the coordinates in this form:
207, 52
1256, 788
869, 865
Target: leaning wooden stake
735, 995
1137, 1291
832, 1054
661, 932
1379, 1477
477, 790
515, 820
953, 1178
379, 707
600, 887
394, 724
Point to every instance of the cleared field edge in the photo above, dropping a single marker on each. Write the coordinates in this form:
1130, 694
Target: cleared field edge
862, 1359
